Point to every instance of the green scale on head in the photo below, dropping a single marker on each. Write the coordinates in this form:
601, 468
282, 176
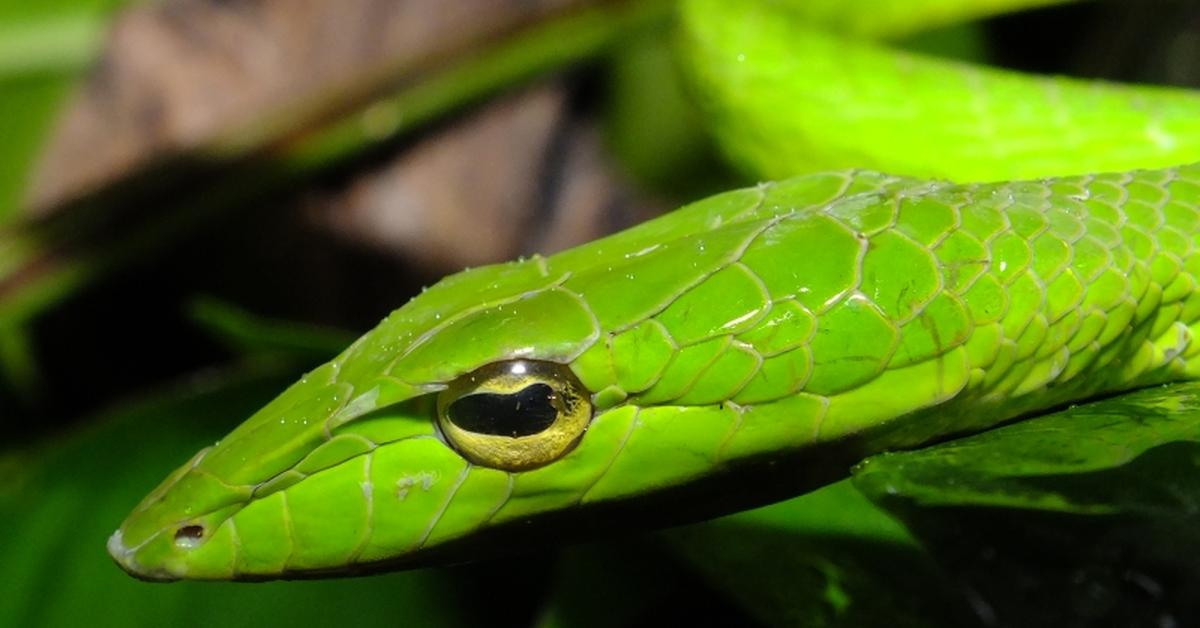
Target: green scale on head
843, 309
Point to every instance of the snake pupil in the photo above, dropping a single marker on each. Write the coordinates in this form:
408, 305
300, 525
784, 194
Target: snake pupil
525, 412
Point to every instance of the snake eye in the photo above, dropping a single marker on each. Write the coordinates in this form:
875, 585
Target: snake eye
515, 415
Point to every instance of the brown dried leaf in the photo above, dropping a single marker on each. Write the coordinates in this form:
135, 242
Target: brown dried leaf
183, 74
520, 176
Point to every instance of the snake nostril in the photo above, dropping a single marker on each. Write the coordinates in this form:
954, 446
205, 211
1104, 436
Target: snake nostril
189, 536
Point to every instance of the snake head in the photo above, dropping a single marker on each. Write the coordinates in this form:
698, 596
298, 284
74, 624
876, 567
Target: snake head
349, 466
511, 396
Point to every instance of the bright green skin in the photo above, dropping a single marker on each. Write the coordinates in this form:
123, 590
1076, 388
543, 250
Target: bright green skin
841, 310
787, 98
770, 322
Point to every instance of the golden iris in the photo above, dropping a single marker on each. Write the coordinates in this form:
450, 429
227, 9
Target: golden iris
515, 415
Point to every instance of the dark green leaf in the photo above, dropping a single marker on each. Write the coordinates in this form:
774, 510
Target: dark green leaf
1088, 516
829, 558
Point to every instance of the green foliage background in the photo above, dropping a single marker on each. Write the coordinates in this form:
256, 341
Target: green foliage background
1083, 517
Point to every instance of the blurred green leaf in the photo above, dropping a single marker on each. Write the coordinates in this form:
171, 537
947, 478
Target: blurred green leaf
257, 336
18, 364
965, 42
55, 43
28, 103
647, 99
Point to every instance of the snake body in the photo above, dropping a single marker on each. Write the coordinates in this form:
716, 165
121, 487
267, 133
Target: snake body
836, 308
786, 96
751, 332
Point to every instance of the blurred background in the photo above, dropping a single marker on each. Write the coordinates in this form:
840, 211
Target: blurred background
201, 199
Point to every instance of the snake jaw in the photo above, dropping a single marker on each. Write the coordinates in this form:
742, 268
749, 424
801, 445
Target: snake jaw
126, 558
122, 554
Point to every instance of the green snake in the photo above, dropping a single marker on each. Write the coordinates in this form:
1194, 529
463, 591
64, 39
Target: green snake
744, 348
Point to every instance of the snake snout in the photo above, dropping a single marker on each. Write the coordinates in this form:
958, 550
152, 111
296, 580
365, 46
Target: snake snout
126, 558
